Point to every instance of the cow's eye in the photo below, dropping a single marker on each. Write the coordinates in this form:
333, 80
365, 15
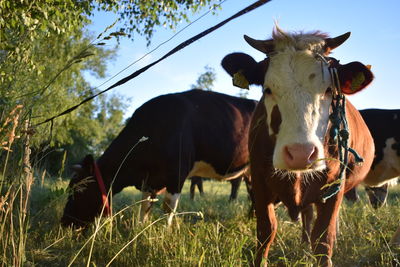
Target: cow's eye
267, 91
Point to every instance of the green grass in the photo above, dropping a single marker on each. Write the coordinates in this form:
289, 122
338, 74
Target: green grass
224, 237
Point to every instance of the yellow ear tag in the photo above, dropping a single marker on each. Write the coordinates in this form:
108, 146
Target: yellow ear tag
357, 81
240, 81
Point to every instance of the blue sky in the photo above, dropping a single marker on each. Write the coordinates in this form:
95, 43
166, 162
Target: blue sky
375, 40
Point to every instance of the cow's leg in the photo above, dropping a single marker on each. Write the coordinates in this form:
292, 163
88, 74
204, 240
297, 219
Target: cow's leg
307, 216
193, 182
266, 230
196, 181
170, 204
352, 195
200, 186
146, 205
250, 193
377, 195
235, 185
266, 220
324, 232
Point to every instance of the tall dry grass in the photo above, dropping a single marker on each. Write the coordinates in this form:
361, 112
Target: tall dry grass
207, 232
223, 237
14, 192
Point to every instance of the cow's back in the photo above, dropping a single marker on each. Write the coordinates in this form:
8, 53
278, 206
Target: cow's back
182, 128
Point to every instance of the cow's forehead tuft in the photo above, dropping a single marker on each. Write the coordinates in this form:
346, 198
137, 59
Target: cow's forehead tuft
313, 41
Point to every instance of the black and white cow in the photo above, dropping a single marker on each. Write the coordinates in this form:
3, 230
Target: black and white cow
384, 126
194, 133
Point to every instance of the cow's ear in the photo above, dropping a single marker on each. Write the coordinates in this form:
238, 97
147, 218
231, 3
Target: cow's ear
244, 69
354, 77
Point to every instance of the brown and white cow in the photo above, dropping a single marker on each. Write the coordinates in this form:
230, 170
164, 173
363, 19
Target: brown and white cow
384, 126
194, 133
292, 155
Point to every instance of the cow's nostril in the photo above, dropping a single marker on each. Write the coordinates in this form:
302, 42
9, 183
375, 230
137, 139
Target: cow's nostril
287, 153
314, 155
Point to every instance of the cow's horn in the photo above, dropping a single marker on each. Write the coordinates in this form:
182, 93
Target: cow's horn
332, 43
266, 46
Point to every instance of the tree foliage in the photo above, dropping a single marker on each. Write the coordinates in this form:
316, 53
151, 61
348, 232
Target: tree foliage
59, 82
206, 80
45, 54
142, 17
243, 93
24, 22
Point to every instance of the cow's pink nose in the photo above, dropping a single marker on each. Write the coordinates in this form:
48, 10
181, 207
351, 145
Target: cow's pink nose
300, 156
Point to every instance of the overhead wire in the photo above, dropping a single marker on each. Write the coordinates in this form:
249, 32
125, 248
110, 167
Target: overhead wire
161, 44
171, 52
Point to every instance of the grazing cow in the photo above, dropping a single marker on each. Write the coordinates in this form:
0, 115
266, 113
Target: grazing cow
384, 126
194, 133
294, 156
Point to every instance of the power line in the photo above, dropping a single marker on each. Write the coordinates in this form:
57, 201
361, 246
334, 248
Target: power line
171, 52
159, 45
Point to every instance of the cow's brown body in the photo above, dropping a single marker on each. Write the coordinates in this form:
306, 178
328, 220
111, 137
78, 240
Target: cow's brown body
294, 155
302, 190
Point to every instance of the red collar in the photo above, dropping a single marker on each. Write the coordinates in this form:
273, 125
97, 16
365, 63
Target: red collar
100, 182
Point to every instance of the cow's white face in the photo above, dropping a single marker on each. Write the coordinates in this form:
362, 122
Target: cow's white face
297, 92
297, 87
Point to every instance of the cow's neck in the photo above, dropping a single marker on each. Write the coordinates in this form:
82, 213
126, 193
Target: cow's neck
115, 161
110, 167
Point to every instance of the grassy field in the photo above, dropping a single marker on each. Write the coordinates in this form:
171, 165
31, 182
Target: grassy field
208, 232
